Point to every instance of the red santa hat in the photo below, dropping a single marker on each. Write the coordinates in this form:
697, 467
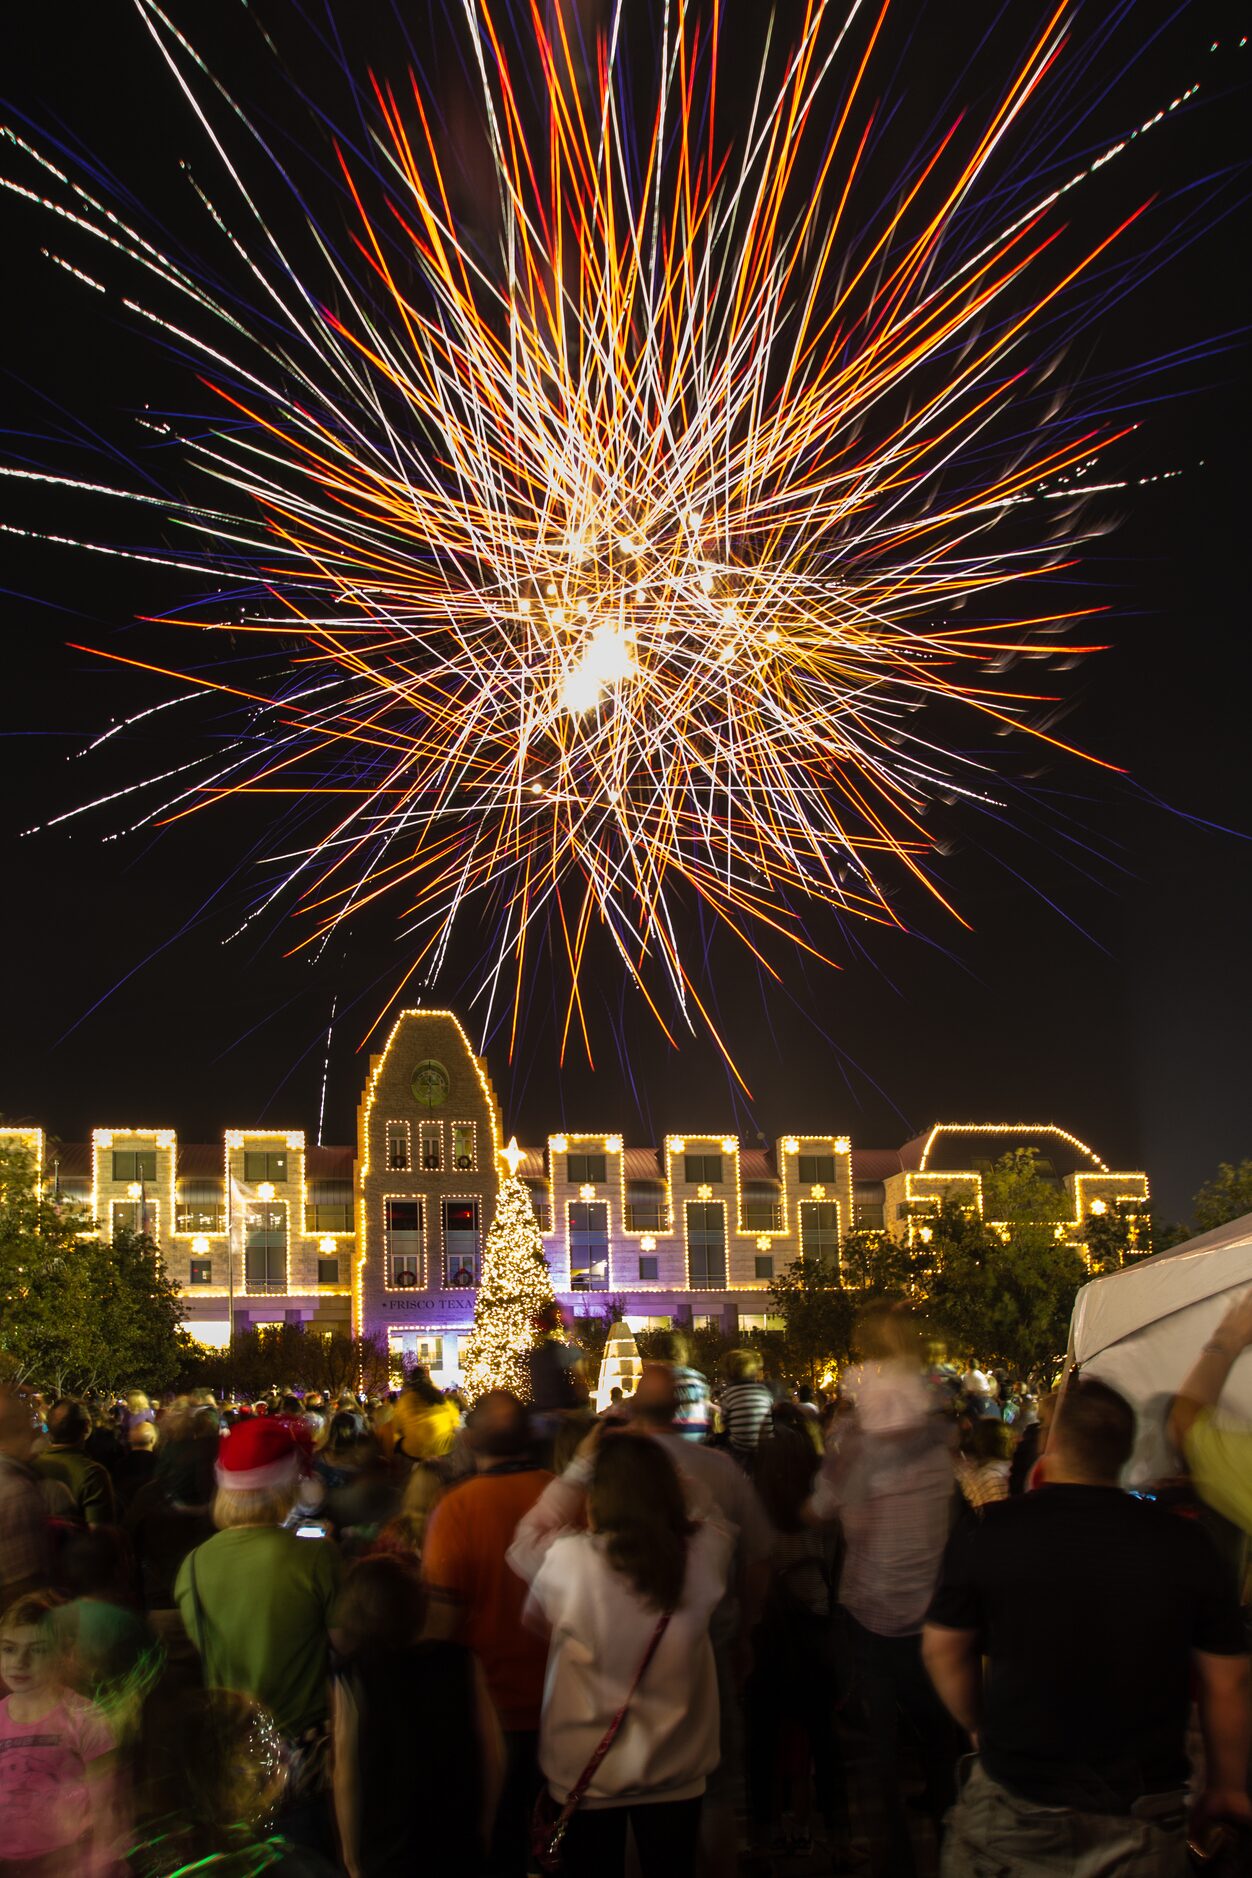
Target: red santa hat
257, 1456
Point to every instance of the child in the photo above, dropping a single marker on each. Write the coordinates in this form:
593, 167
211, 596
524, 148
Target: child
57, 1800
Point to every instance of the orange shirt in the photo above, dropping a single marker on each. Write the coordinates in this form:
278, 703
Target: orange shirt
469, 1533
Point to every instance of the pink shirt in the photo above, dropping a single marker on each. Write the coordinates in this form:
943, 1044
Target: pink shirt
44, 1803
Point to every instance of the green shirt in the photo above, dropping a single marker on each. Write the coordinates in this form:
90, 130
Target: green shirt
1220, 1459
87, 1481
264, 1600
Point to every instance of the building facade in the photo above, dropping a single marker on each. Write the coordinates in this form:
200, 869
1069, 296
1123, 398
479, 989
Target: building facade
387, 1237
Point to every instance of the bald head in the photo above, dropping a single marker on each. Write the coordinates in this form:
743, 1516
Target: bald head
656, 1399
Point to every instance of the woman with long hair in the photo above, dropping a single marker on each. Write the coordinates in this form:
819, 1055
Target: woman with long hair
626, 1580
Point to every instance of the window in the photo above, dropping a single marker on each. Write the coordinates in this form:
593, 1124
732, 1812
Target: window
698, 1168
264, 1164
542, 1206
402, 1227
816, 1167
201, 1207
761, 1209
819, 1231
330, 1206
328, 1271
586, 1169
645, 1207
430, 1139
265, 1248
759, 1321
706, 1320
124, 1216
765, 1265
588, 1245
648, 1268
460, 1242
706, 1245
397, 1148
202, 1271
463, 1147
869, 1210
134, 1164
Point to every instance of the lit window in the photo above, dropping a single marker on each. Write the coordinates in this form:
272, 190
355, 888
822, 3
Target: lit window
431, 1140
586, 1170
265, 1247
202, 1271
460, 1243
264, 1164
819, 1231
588, 1245
463, 1147
706, 1245
402, 1227
134, 1164
397, 1148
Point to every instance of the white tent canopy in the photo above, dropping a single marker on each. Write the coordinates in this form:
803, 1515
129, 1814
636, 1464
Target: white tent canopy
1141, 1330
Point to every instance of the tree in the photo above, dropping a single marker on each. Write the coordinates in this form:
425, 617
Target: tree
817, 1315
1003, 1292
1116, 1237
1227, 1196
1019, 1187
77, 1311
291, 1356
879, 1265
516, 1286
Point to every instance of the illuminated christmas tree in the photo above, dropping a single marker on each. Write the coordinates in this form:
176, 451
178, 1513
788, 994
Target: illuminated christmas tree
515, 1288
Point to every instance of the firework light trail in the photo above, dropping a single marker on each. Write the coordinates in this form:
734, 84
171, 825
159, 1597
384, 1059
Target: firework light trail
644, 555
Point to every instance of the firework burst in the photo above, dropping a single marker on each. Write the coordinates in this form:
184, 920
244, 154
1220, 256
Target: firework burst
638, 546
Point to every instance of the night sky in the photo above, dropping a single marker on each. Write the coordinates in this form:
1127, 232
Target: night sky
1103, 983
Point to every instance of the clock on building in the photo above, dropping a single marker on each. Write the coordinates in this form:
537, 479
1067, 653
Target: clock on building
430, 1084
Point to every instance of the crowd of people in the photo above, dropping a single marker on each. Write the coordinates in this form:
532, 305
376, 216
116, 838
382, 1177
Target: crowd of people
717, 1628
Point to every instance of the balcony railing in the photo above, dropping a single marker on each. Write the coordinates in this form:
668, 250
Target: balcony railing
276, 1289
205, 1219
649, 1216
760, 1216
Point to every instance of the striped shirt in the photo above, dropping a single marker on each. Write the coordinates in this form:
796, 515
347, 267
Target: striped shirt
745, 1408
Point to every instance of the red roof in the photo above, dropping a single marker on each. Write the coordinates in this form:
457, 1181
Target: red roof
201, 1160
329, 1163
875, 1163
754, 1164
641, 1164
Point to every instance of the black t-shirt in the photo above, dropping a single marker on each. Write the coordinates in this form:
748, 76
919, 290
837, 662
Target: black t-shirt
1088, 1604
419, 1761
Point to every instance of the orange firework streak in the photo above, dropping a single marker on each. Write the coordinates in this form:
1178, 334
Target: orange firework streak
637, 534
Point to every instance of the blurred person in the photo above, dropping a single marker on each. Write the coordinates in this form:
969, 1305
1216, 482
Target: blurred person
256, 1602
693, 1418
717, 1485
59, 1813
25, 1550
1031, 1442
889, 1481
982, 1466
220, 1776
405, 1532
745, 1402
106, 1441
1218, 1452
792, 1749
1094, 1611
425, 1422
418, 1753
627, 1582
65, 1461
172, 1514
137, 1466
557, 1383
474, 1597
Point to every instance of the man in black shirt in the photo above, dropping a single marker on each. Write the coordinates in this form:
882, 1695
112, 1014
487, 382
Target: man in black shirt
1094, 1610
